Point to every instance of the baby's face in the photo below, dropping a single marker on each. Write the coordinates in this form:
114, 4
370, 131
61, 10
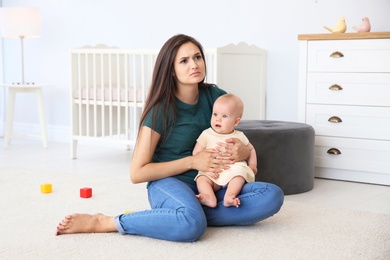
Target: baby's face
224, 118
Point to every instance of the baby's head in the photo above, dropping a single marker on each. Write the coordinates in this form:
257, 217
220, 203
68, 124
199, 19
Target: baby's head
227, 113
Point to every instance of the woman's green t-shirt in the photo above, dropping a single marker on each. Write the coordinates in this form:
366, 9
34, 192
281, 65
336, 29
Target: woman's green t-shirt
190, 121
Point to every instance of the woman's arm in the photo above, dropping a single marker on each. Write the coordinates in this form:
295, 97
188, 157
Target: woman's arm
143, 169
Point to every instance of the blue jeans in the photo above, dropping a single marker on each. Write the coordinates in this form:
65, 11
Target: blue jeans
177, 215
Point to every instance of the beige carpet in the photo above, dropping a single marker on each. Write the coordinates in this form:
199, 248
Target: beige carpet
298, 231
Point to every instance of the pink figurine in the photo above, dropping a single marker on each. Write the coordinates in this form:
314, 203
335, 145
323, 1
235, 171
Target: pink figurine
364, 26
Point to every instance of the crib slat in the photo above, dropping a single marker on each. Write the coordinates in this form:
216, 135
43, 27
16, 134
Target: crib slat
94, 73
126, 99
134, 102
86, 79
79, 107
102, 94
109, 95
118, 88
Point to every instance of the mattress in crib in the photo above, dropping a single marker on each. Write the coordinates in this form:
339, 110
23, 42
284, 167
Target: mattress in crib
110, 94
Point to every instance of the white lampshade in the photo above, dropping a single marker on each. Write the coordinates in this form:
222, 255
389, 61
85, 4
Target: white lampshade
20, 22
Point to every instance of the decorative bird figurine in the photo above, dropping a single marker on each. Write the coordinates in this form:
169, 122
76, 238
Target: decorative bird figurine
340, 27
365, 26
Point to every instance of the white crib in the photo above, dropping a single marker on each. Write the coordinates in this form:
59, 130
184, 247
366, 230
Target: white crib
109, 87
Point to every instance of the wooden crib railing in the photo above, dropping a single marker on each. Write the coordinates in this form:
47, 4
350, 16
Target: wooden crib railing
109, 87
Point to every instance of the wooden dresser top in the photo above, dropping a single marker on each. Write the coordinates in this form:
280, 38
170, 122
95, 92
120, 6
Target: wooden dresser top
344, 36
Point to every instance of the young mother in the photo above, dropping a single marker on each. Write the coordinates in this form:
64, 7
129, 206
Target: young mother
177, 110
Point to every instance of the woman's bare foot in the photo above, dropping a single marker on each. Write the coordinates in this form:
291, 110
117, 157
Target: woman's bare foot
231, 200
86, 223
207, 200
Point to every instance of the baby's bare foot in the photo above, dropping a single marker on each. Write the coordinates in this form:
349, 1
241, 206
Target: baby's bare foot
86, 223
231, 200
207, 200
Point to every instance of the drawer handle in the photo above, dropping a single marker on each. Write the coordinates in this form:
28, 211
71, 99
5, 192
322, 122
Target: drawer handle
334, 151
335, 119
337, 54
335, 87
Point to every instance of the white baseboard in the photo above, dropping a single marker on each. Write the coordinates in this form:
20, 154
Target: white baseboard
61, 134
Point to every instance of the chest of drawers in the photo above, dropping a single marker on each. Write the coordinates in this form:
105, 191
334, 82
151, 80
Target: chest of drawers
344, 93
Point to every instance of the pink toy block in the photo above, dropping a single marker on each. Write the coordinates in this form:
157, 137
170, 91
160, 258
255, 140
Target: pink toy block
46, 188
86, 192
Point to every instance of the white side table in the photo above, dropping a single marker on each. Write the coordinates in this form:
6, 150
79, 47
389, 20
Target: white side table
23, 88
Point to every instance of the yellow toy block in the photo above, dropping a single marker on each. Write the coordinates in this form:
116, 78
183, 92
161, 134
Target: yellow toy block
46, 188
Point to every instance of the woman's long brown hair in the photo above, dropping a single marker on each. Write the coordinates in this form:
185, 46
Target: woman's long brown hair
161, 96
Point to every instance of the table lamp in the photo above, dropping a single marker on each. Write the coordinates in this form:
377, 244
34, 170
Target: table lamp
20, 22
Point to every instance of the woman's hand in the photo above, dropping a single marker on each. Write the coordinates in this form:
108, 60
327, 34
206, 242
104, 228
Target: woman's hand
209, 160
233, 150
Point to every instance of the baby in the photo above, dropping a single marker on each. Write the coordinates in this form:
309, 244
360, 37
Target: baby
227, 113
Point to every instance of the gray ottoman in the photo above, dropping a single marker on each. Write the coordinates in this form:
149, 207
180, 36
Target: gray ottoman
285, 153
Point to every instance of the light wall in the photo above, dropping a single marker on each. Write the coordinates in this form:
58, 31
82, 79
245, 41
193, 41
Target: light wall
142, 24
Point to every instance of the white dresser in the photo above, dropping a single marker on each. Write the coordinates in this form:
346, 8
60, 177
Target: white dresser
344, 93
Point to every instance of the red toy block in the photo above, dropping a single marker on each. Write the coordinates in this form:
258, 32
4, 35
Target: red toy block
86, 192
